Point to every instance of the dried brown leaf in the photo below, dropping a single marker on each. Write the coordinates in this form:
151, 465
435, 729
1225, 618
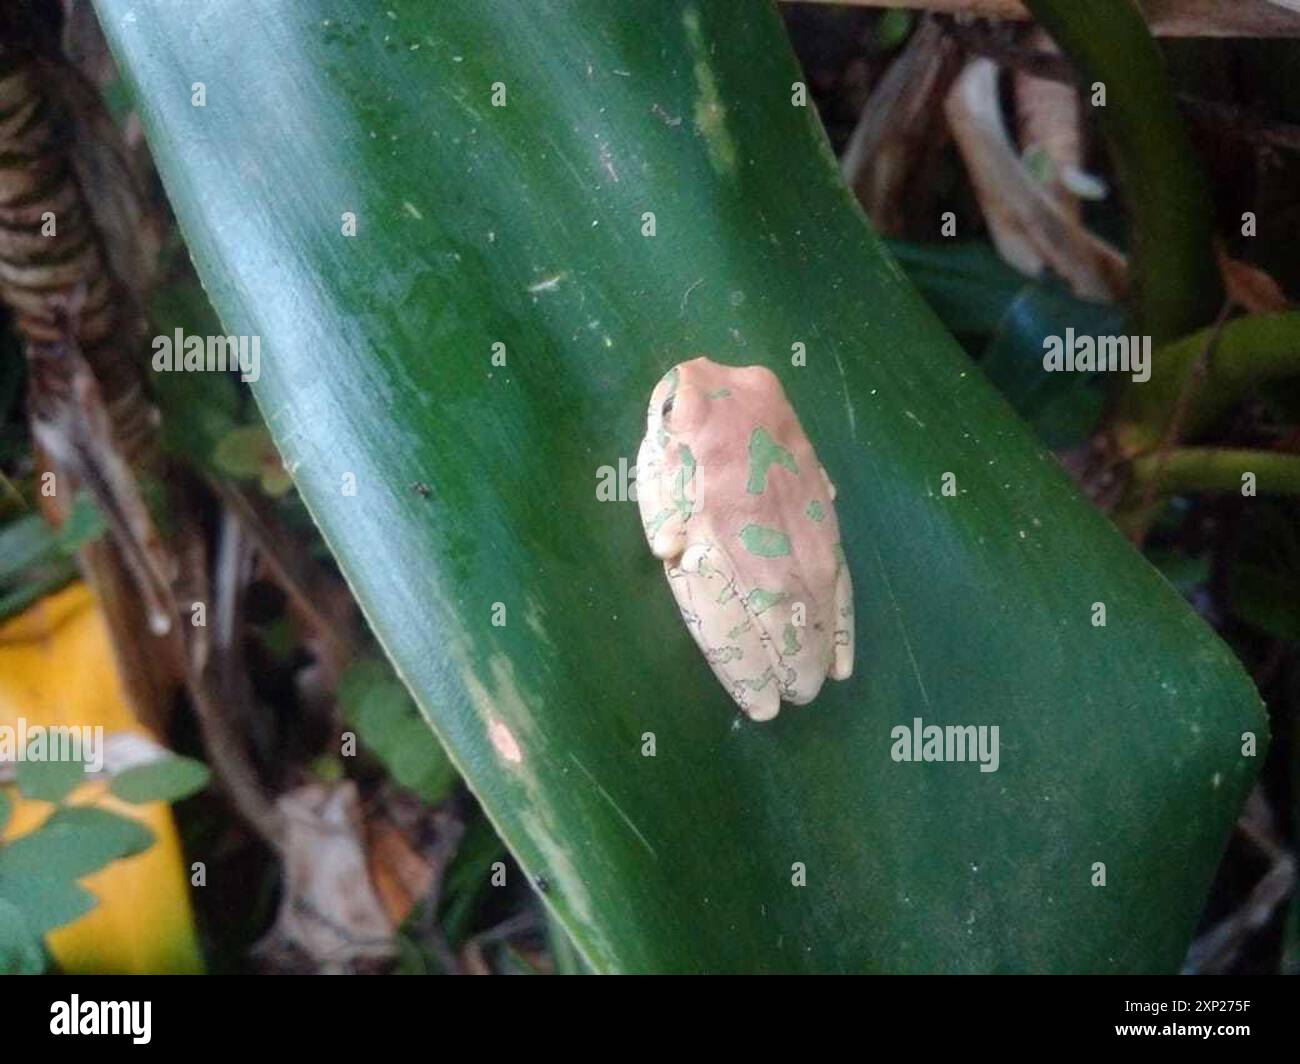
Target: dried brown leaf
1028, 227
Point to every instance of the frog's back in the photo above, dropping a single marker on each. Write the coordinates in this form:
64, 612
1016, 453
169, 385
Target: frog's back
763, 488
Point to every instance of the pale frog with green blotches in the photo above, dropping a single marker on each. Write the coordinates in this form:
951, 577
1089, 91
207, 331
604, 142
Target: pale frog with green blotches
736, 504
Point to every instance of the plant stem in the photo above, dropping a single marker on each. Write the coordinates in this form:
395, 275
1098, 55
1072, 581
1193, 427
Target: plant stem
1175, 281
1218, 469
1247, 352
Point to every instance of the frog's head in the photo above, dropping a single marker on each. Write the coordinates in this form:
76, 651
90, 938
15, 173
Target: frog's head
663, 416
685, 400
698, 429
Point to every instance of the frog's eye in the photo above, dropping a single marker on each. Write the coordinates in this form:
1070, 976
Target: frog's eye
667, 407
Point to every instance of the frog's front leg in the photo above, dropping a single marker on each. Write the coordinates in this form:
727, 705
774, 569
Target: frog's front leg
665, 503
704, 583
830, 486
842, 655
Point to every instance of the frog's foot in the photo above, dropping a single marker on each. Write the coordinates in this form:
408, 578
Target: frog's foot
704, 584
763, 704
842, 651
802, 687
800, 653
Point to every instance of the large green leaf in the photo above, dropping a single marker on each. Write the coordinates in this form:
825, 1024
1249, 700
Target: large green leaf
522, 225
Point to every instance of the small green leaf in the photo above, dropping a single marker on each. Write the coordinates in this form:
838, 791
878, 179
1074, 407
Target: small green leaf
74, 842
167, 780
24, 542
240, 451
249, 453
29, 541
14, 602
410, 960
36, 560
417, 761
328, 768
46, 900
85, 523
275, 479
20, 946
892, 29
48, 781
377, 710
385, 716
359, 677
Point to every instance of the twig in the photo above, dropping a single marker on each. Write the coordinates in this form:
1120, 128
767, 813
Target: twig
1167, 18
898, 125
217, 683
298, 578
1215, 950
450, 830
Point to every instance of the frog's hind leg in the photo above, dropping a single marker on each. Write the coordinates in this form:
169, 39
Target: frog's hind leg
704, 584
842, 652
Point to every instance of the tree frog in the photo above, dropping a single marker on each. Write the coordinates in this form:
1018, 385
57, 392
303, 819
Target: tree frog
736, 504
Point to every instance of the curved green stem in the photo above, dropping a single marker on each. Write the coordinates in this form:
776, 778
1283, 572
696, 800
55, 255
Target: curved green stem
1218, 469
1248, 352
1175, 279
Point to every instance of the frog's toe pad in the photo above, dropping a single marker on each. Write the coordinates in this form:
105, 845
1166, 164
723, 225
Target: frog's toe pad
842, 656
760, 705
